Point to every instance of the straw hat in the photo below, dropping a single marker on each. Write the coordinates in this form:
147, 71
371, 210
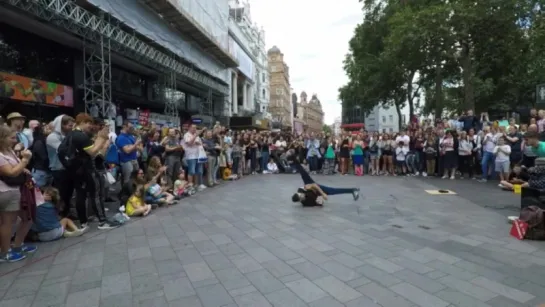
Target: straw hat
15, 115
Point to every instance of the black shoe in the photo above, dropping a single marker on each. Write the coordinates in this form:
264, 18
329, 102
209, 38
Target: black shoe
356, 194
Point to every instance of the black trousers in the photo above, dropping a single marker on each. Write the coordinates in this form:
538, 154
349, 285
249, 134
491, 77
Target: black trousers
88, 187
63, 182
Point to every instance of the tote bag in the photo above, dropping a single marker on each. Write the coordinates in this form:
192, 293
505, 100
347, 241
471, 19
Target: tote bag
202, 158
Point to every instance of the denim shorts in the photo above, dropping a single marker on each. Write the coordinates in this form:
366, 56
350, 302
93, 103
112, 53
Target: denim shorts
51, 235
191, 166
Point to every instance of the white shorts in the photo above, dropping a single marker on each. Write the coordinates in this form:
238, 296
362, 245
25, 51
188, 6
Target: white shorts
502, 167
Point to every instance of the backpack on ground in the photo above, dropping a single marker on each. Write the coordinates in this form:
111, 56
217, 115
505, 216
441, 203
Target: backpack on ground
67, 152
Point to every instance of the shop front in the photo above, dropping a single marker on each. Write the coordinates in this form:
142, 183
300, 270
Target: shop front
36, 75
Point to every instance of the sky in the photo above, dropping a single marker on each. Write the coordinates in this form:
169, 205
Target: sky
313, 36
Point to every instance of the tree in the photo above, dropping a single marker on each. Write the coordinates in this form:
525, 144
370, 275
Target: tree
326, 129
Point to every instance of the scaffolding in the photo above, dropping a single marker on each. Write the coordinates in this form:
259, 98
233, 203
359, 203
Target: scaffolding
171, 98
71, 17
207, 104
97, 74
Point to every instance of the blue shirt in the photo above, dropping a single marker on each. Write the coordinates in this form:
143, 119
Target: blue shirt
46, 218
122, 141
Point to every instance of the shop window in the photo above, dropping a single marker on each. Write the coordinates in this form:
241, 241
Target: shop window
127, 82
29, 55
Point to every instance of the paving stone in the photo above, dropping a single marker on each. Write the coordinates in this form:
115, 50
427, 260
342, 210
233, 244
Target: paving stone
378, 276
503, 290
198, 271
87, 298
232, 279
285, 298
306, 290
264, 281
418, 296
383, 296
338, 270
214, 296
460, 299
218, 245
251, 300
338, 289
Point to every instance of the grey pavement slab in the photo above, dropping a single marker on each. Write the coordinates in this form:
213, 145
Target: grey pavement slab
246, 244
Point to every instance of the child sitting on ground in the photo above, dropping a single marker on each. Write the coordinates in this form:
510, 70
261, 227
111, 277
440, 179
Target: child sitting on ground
181, 186
272, 168
135, 205
47, 225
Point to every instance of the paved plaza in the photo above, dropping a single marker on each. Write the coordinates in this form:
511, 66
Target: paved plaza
245, 244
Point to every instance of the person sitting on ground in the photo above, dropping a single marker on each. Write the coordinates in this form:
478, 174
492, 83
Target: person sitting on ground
156, 188
135, 205
519, 175
48, 226
181, 185
272, 168
127, 190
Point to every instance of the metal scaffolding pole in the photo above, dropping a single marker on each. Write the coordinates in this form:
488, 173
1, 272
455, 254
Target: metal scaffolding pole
207, 105
97, 74
171, 97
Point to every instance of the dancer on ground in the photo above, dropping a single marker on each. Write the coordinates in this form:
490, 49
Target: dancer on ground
313, 194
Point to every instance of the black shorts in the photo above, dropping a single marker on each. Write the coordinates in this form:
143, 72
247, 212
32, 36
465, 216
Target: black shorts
387, 153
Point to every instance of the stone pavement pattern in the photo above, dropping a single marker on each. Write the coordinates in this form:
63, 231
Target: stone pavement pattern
245, 244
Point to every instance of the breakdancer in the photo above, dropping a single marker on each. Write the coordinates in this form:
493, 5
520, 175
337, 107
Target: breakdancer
313, 194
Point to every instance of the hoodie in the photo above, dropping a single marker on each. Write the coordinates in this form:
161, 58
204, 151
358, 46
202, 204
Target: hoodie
53, 141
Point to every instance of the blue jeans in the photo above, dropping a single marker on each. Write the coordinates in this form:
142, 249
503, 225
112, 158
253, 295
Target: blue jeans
264, 160
42, 178
487, 162
327, 190
313, 163
192, 166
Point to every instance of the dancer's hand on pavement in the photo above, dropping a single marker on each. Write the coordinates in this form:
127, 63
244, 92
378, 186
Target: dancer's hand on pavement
324, 196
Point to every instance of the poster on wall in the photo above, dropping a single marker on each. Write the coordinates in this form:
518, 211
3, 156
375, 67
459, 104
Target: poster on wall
33, 90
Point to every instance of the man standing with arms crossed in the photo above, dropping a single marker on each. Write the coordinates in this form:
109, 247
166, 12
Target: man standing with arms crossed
192, 141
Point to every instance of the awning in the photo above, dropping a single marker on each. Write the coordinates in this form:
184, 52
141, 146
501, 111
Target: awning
353, 126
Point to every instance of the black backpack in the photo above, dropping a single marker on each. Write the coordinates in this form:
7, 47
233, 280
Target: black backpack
67, 152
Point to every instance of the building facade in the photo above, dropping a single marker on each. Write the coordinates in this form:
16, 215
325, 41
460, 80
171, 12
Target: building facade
118, 60
336, 127
382, 119
250, 80
280, 105
310, 112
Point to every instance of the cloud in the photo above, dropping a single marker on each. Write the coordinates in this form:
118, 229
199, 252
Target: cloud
313, 35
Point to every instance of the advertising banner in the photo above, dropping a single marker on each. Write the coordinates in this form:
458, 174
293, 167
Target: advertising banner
32, 90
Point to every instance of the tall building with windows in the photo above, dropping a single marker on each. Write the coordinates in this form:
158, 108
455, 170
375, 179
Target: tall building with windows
311, 113
280, 103
382, 119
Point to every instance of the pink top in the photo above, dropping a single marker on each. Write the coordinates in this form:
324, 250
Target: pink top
540, 125
12, 160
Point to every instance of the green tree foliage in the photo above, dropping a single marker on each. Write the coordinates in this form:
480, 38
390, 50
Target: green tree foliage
326, 129
460, 54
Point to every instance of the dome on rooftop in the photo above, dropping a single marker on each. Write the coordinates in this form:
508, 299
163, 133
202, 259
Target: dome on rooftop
274, 49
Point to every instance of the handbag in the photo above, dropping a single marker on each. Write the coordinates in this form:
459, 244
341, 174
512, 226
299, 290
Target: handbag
16, 181
202, 158
109, 178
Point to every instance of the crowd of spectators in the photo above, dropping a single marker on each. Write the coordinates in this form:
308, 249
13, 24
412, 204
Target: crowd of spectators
43, 166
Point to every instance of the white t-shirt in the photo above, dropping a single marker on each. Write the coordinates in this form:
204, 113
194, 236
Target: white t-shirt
401, 153
503, 155
191, 151
280, 143
403, 138
489, 142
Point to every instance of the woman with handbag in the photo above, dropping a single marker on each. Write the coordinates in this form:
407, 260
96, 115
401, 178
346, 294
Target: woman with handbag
13, 177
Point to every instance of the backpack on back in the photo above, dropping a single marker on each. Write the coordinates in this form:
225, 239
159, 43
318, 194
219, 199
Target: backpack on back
67, 152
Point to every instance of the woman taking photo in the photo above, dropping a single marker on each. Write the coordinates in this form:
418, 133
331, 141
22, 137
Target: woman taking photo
13, 175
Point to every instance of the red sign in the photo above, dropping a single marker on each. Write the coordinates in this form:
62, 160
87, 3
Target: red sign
143, 117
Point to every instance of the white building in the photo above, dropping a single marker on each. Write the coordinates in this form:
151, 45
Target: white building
336, 127
250, 81
384, 119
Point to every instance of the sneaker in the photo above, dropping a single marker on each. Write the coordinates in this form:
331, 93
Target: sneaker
482, 180
85, 225
25, 249
356, 194
452, 177
122, 209
417, 173
424, 174
108, 225
201, 187
12, 256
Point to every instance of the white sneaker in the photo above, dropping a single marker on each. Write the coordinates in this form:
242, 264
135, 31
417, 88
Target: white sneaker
452, 177
201, 187
122, 209
424, 174
417, 173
